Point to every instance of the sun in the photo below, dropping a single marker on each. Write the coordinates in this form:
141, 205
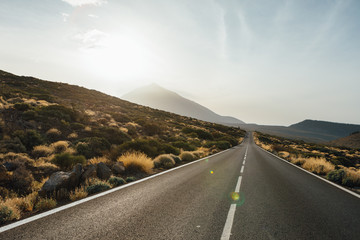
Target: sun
122, 56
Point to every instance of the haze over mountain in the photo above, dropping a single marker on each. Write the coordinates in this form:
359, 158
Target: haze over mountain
158, 97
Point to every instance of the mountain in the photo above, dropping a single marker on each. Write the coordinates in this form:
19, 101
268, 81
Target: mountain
351, 141
160, 98
307, 130
330, 128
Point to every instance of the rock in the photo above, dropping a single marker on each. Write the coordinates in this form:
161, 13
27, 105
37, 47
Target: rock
56, 181
59, 180
118, 168
75, 176
90, 172
103, 172
10, 166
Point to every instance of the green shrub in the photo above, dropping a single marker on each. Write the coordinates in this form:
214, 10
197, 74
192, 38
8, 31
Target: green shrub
45, 204
111, 135
29, 138
130, 179
165, 161
116, 181
67, 161
152, 129
98, 187
336, 176
187, 156
177, 159
6, 214
184, 145
57, 112
21, 106
199, 132
92, 147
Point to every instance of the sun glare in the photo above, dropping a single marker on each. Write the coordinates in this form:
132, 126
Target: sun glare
125, 56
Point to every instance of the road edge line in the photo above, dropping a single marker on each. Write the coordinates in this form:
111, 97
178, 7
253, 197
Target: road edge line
73, 204
313, 174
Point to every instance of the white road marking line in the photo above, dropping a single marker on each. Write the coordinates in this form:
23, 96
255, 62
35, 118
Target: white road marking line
231, 214
229, 222
244, 162
237, 188
325, 180
73, 204
242, 169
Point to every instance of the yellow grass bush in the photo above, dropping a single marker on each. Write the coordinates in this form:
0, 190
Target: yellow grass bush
78, 194
73, 135
164, 160
60, 146
187, 156
135, 162
316, 165
45, 204
9, 210
53, 132
96, 160
42, 151
353, 175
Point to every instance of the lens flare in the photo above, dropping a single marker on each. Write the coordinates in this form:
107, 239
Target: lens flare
211, 172
206, 160
235, 196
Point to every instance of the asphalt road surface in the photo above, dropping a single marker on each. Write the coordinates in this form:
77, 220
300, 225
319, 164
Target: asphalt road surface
243, 193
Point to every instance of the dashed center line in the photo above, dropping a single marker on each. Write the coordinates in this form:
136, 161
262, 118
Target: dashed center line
230, 217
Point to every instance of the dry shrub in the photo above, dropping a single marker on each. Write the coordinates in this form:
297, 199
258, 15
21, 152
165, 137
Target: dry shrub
135, 162
187, 156
78, 194
18, 158
53, 132
60, 146
36, 186
96, 160
353, 175
45, 204
22, 180
87, 129
164, 160
73, 135
317, 165
9, 211
42, 151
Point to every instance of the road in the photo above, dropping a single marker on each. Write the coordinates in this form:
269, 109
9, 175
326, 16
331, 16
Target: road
276, 201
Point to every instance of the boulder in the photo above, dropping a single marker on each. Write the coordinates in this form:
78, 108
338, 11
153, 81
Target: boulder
118, 168
103, 172
10, 166
90, 172
59, 180
75, 176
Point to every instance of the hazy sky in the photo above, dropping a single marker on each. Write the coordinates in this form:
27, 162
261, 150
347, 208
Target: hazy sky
269, 62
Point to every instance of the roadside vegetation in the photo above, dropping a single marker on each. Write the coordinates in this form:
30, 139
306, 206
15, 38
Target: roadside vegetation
337, 164
61, 143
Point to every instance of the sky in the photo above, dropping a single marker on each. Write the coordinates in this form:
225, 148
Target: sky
273, 62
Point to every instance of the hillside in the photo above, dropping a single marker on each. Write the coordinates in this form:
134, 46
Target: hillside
160, 98
351, 141
60, 142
